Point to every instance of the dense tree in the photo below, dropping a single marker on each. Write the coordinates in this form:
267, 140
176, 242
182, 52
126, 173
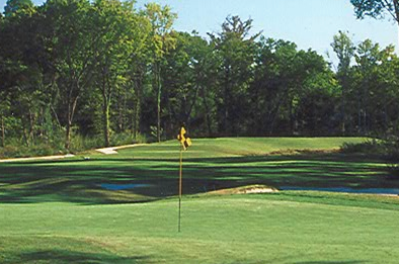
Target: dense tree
113, 21
270, 87
235, 47
73, 49
189, 80
18, 7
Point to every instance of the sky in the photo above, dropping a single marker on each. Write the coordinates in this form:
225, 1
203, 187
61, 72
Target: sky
308, 23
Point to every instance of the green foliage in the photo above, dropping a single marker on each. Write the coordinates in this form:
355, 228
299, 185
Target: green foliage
81, 143
345, 50
392, 156
154, 133
386, 149
18, 149
162, 41
126, 138
376, 8
371, 147
235, 49
17, 7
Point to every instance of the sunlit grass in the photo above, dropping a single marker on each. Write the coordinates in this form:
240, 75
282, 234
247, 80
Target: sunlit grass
292, 227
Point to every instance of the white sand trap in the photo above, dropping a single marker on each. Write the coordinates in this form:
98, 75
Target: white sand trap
246, 190
107, 151
113, 150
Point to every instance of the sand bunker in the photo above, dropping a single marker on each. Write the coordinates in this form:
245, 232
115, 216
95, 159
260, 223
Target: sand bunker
246, 190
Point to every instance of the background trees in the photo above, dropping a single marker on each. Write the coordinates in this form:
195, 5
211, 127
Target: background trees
109, 73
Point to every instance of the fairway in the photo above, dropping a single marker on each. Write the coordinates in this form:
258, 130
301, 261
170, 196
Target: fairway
123, 208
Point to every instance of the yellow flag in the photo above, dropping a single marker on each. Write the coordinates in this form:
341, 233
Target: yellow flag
183, 138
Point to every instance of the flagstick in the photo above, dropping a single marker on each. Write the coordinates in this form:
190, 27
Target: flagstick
180, 184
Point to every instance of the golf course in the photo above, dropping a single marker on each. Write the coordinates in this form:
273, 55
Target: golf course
199, 132
123, 208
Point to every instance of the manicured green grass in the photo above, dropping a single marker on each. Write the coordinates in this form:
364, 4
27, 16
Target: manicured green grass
237, 147
292, 227
58, 212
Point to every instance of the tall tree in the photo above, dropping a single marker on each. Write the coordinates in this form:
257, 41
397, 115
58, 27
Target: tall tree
345, 50
161, 19
72, 43
115, 22
235, 47
186, 78
368, 59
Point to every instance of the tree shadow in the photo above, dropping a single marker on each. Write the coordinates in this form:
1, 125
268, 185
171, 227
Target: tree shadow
332, 262
81, 181
67, 256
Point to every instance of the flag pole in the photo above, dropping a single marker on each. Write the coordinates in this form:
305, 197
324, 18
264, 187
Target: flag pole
180, 184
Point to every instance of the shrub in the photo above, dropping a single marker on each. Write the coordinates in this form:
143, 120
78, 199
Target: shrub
81, 143
126, 138
9, 151
369, 147
392, 156
17, 148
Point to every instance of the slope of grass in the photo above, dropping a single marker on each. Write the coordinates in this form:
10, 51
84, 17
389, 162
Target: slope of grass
236, 147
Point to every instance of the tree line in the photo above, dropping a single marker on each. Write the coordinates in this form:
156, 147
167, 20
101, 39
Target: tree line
103, 68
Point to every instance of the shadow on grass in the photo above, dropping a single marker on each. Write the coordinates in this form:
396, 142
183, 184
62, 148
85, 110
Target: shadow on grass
67, 256
332, 262
80, 181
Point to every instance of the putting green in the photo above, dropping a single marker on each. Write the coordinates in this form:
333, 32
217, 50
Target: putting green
292, 227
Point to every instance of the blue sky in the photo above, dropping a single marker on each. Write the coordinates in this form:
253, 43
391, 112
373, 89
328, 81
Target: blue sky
308, 23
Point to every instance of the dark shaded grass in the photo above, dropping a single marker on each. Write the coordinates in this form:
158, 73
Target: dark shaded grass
60, 250
77, 180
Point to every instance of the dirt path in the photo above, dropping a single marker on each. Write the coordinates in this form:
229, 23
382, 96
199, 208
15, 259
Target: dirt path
38, 158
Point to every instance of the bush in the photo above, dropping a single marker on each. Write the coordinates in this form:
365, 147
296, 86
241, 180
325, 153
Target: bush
20, 151
126, 138
81, 143
392, 157
369, 147
9, 151
17, 148
387, 149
